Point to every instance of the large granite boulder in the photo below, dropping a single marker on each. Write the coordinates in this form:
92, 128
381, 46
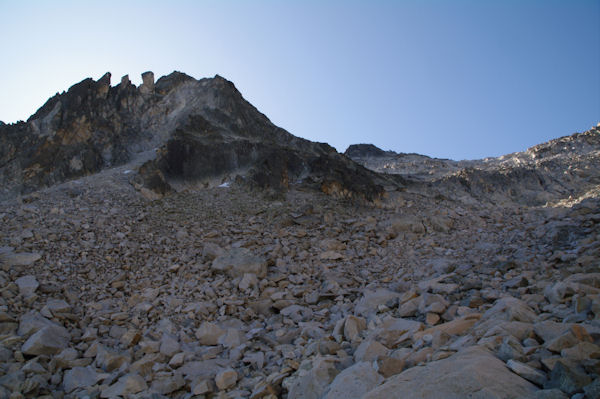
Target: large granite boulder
471, 373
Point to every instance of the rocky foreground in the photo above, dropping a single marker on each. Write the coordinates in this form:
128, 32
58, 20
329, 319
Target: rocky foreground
222, 292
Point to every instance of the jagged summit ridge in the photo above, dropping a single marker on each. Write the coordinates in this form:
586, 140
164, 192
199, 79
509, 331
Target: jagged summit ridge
205, 126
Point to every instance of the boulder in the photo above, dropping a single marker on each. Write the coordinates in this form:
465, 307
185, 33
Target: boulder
353, 382
473, 372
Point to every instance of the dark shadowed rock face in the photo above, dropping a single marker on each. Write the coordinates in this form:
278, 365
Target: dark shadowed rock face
201, 151
204, 129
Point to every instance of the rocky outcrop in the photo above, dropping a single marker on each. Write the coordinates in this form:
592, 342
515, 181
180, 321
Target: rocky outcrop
546, 173
205, 130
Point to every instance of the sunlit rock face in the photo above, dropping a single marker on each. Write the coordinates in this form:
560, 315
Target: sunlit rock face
545, 173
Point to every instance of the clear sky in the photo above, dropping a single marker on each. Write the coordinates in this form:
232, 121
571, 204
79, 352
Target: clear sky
458, 79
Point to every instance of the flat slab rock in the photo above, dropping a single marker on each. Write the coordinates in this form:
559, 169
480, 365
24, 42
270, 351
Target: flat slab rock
471, 373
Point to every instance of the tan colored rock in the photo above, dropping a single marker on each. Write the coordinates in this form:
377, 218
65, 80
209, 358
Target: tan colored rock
353, 326
128, 384
455, 327
110, 359
581, 351
202, 386
369, 351
226, 379
144, 365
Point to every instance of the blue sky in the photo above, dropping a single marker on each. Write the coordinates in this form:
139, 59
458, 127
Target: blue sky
457, 79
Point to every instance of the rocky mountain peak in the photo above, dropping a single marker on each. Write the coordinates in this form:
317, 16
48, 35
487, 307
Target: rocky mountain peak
213, 131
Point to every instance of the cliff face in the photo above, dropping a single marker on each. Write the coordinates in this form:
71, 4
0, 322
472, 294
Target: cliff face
203, 129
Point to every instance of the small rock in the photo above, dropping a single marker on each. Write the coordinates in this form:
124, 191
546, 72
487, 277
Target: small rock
167, 385
201, 386
527, 372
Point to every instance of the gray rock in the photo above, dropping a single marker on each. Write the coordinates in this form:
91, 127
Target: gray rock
592, 390
312, 384
550, 394
167, 385
169, 345
47, 341
27, 285
510, 309
568, 378
79, 377
32, 322
371, 300
353, 382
